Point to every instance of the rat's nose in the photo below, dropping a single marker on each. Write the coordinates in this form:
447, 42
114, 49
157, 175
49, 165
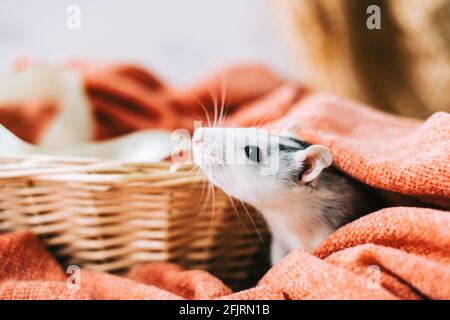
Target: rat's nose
198, 136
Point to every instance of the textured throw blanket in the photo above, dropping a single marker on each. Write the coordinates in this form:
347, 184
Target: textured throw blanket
395, 253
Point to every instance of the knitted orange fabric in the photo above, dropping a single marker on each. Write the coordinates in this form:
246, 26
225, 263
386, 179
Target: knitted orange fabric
394, 253
400, 252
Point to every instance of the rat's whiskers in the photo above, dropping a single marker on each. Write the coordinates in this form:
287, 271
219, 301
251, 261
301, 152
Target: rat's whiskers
205, 110
214, 100
223, 92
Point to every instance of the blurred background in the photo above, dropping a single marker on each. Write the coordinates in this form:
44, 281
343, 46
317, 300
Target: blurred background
178, 39
403, 68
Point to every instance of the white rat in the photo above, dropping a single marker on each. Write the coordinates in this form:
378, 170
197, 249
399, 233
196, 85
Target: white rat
302, 198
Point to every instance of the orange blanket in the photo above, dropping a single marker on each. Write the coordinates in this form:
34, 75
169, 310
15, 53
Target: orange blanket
394, 253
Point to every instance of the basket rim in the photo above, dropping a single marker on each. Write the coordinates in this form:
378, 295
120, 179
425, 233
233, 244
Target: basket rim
40, 167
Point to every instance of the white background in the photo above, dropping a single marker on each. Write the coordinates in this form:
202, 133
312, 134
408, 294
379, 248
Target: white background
178, 39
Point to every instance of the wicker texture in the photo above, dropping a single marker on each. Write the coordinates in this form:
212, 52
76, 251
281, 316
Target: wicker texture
108, 216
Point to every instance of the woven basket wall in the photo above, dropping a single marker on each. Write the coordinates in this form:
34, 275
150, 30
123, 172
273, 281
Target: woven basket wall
403, 68
108, 216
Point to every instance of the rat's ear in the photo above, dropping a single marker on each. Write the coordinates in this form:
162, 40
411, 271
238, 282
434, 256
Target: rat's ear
314, 158
291, 129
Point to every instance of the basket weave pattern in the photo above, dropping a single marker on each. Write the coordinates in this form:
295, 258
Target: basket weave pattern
108, 216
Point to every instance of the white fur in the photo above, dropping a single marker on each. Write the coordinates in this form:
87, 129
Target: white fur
292, 212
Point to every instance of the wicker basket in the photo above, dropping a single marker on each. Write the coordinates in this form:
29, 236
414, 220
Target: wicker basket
107, 216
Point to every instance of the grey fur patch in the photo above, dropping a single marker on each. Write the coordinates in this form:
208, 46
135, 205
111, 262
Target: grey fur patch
345, 199
351, 199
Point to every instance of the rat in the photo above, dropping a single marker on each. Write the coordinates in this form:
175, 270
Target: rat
292, 183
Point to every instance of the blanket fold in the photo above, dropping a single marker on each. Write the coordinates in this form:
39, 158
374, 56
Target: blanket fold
395, 253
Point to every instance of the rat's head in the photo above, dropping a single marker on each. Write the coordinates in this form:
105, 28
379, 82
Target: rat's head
252, 164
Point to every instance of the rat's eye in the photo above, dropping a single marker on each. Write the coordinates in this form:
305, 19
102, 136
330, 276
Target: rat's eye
253, 153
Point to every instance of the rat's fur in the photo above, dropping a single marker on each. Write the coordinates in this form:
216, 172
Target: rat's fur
299, 214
